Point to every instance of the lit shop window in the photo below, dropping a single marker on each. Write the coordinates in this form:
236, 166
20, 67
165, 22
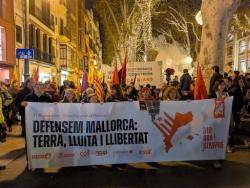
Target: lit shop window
242, 64
242, 46
2, 44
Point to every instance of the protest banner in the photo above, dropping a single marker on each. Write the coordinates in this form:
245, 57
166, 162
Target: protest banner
61, 135
145, 73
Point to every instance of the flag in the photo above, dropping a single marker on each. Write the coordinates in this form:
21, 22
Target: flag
84, 81
14, 74
36, 74
98, 87
200, 91
91, 74
123, 71
115, 79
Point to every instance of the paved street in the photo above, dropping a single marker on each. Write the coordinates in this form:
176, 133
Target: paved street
197, 174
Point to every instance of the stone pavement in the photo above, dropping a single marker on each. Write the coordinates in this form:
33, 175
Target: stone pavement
12, 148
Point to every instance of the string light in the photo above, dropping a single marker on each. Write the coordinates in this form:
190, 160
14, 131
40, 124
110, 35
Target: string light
145, 9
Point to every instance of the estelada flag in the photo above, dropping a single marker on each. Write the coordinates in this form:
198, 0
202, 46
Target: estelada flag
123, 71
115, 79
98, 87
200, 91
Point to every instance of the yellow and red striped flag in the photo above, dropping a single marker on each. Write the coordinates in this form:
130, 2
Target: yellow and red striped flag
98, 87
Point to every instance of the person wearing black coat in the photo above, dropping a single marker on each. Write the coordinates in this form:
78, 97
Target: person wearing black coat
215, 78
185, 82
238, 102
28, 87
38, 95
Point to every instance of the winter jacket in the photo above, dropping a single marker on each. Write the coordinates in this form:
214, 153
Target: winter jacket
216, 77
20, 98
185, 82
32, 97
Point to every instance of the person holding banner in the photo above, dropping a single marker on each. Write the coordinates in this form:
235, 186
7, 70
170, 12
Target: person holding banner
38, 95
220, 94
93, 98
115, 94
28, 88
69, 96
220, 90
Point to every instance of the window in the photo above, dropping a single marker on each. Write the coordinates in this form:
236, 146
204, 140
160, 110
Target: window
52, 21
50, 45
230, 51
3, 9
63, 55
2, 44
242, 64
242, 46
31, 36
38, 39
19, 34
61, 27
44, 43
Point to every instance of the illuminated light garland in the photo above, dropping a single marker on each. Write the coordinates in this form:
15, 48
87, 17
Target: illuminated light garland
145, 8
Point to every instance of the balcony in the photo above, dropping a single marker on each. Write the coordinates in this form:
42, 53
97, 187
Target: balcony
43, 16
37, 54
44, 56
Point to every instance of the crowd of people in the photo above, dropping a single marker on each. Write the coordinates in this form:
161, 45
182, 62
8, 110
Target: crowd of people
13, 98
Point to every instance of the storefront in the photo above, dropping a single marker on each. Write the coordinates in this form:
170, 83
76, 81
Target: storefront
46, 72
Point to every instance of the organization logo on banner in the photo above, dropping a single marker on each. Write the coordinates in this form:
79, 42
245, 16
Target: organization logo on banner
219, 109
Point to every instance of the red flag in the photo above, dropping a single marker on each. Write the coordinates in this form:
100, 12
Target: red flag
123, 71
200, 91
36, 75
115, 80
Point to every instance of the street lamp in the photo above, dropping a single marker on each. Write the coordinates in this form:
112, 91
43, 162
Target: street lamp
198, 18
189, 60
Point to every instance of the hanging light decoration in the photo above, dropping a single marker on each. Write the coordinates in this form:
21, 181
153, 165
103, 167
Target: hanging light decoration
145, 9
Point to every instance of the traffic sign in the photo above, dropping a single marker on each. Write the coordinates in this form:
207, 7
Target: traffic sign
24, 53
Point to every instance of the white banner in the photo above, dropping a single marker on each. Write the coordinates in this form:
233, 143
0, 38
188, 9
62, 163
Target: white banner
60, 135
146, 73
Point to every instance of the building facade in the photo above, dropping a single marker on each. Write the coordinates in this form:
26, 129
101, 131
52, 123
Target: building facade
57, 33
7, 39
92, 38
41, 36
238, 54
